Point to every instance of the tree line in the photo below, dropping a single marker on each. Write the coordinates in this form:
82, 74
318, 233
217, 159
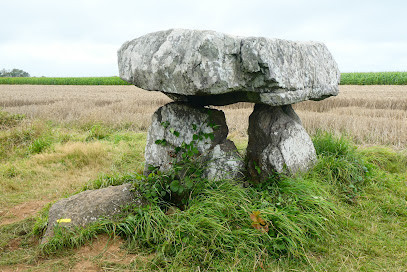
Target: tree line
13, 73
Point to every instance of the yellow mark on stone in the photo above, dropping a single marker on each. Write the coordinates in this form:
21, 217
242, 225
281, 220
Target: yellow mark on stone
64, 220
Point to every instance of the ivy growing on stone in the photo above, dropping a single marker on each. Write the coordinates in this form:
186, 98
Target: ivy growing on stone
184, 179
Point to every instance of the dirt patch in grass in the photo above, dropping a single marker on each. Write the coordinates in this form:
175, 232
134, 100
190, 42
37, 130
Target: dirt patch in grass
21, 211
102, 254
101, 251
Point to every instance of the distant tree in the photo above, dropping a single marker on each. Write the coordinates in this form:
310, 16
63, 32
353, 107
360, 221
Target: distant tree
13, 73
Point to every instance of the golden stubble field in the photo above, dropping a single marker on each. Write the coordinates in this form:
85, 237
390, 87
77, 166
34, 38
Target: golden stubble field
370, 115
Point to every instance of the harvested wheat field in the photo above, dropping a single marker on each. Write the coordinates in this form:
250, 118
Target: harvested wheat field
370, 115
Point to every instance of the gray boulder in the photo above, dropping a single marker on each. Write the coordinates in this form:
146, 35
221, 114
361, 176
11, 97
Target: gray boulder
277, 143
211, 68
177, 123
224, 162
89, 206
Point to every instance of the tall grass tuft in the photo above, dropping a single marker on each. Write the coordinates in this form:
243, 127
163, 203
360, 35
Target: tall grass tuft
340, 164
216, 228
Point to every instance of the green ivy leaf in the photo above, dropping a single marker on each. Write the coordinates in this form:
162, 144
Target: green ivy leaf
165, 124
180, 189
174, 186
162, 142
258, 169
189, 183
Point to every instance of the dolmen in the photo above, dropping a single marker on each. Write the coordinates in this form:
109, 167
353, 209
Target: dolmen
198, 69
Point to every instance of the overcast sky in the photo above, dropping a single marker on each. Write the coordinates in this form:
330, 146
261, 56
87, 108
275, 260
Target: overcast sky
81, 37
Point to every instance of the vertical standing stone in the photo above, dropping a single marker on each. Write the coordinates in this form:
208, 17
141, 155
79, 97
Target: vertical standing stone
176, 123
277, 143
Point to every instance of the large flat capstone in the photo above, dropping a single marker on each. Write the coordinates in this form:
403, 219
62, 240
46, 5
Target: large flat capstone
211, 68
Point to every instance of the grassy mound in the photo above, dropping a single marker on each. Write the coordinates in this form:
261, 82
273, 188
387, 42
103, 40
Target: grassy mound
226, 225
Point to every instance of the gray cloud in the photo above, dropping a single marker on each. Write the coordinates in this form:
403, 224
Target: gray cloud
80, 37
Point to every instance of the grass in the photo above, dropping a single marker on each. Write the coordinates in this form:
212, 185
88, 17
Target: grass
44, 161
373, 78
347, 214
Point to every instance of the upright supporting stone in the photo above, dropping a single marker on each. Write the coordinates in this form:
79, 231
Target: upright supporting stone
277, 143
176, 123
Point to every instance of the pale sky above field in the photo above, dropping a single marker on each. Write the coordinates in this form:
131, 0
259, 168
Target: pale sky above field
81, 37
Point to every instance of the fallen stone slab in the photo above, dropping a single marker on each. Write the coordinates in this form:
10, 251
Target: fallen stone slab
212, 68
176, 124
277, 143
89, 206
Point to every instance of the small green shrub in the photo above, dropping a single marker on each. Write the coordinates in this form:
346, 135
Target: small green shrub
39, 145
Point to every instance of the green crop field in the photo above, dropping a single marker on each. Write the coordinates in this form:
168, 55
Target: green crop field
379, 78
63, 80
382, 78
